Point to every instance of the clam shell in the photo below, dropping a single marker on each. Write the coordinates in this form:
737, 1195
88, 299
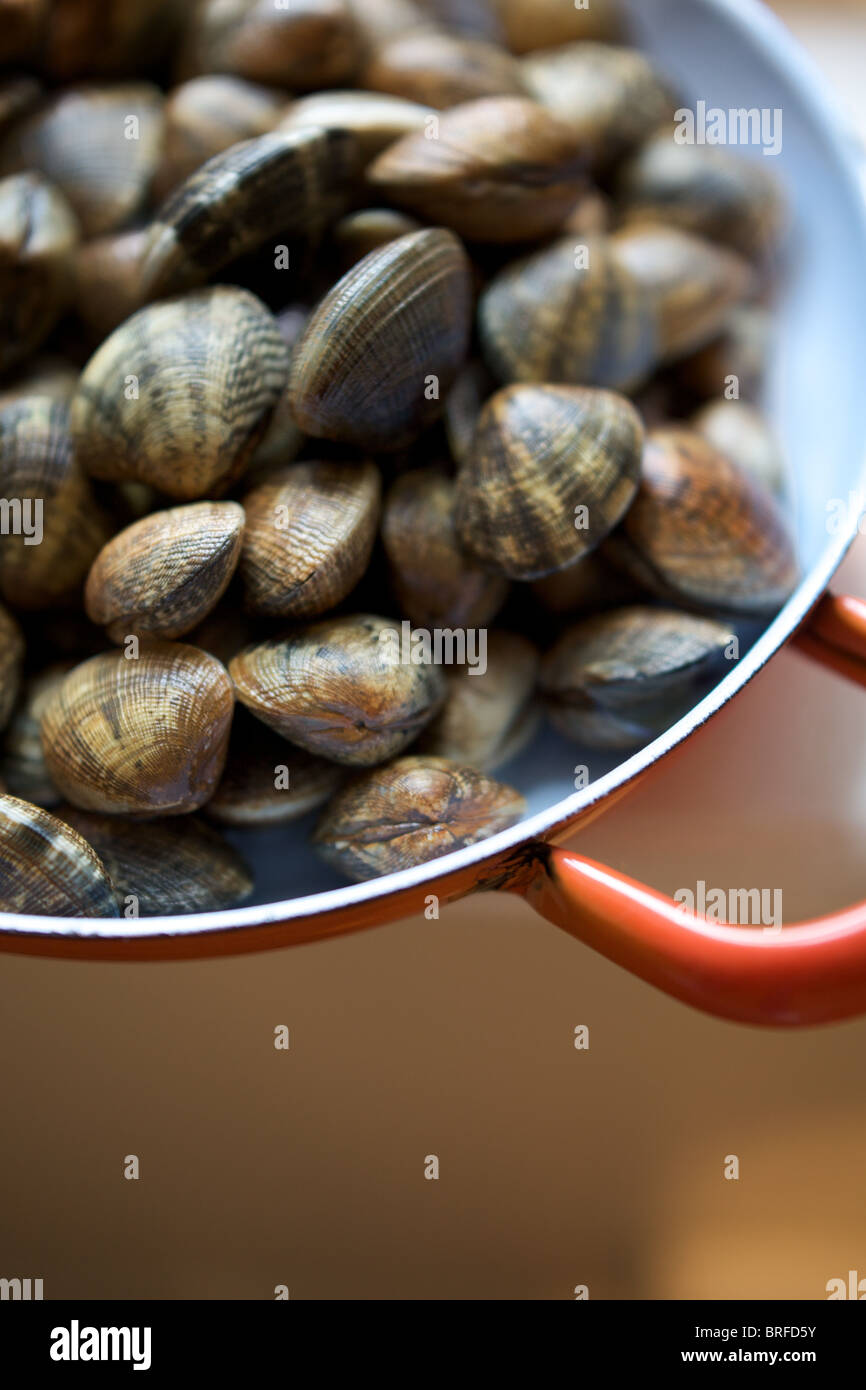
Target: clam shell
694, 283
309, 535
46, 868
267, 781
165, 867
108, 281
340, 689
164, 574
282, 185
11, 661
501, 169
710, 192
374, 119
38, 237
617, 679
140, 736
610, 96
22, 761
308, 44
553, 317
62, 528
705, 533
442, 70
180, 394
550, 23
80, 139
207, 115
435, 581
553, 470
397, 322
412, 811
740, 431
488, 716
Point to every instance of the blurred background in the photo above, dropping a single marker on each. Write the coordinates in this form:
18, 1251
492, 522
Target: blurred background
558, 1167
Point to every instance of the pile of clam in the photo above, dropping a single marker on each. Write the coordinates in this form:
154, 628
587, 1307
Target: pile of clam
327, 321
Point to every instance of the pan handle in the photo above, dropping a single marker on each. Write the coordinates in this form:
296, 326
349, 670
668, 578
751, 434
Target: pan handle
812, 972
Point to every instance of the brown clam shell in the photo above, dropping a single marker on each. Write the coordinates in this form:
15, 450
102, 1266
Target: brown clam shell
570, 314
381, 350
46, 868
414, 810
285, 184
488, 716
267, 781
38, 238
207, 115
181, 393
435, 581
143, 735
340, 689
305, 45
501, 169
705, 533
442, 70
167, 867
61, 527
164, 574
553, 470
619, 678
309, 535
83, 139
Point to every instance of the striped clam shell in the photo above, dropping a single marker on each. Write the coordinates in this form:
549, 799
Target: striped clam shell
46, 868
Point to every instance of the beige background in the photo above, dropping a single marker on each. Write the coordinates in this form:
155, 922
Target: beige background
454, 1038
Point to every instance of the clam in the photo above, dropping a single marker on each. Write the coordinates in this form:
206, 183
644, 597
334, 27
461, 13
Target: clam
140, 735
11, 660
54, 525
412, 811
701, 189
381, 350
618, 679
99, 145
703, 532
341, 689
283, 185
356, 235
165, 867
694, 283
552, 471
46, 868
181, 393
309, 534
436, 582
374, 119
442, 70
610, 96
489, 715
501, 169
22, 761
207, 115
302, 45
267, 781
739, 430
38, 237
570, 313
549, 23
108, 281
106, 37
164, 574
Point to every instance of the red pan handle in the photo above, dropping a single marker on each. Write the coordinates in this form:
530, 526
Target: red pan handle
813, 972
